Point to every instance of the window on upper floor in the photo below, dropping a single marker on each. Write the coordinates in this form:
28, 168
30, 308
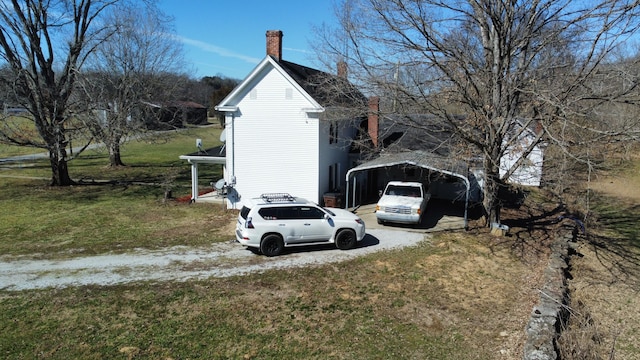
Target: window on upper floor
333, 133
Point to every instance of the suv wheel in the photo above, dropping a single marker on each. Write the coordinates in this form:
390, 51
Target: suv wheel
346, 239
271, 245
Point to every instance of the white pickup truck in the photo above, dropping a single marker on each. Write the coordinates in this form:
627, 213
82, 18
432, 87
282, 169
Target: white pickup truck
402, 202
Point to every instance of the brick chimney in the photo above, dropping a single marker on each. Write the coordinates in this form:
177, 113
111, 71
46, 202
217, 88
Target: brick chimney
373, 119
274, 44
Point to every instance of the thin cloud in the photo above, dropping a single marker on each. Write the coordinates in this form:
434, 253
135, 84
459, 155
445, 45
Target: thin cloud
298, 50
216, 49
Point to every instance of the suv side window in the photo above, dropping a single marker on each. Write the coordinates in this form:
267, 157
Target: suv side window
278, 213
291, 213
287, 212
269, 213
310, 212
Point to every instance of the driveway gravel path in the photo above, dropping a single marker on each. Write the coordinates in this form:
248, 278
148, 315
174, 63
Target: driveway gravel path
183, 263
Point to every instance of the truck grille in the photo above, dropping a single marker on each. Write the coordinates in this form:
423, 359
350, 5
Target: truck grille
398, 210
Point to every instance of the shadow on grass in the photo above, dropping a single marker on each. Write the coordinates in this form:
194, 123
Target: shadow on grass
611, 230
533, 224
615, 241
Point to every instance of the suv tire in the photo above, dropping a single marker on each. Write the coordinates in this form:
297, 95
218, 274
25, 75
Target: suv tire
346, 239
271, 245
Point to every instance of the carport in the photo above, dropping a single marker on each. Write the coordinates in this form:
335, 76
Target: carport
420, 159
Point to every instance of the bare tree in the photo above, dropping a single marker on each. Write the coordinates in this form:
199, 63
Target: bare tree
130, 73
480, 65
45, 44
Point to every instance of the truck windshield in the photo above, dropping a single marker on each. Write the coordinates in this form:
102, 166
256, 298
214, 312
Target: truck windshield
397, 190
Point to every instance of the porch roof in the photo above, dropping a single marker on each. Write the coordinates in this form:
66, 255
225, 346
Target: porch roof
214, 155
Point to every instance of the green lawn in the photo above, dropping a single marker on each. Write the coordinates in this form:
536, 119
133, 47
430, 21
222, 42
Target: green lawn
38, 219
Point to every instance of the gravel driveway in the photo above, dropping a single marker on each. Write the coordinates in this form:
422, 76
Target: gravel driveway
183, 263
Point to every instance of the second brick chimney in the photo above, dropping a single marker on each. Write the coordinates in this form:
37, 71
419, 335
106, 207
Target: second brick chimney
373, 119
274, 44
342, 69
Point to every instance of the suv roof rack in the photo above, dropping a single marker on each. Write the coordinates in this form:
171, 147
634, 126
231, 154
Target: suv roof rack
277, 197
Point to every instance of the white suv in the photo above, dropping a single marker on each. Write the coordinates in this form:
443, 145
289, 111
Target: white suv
275, 221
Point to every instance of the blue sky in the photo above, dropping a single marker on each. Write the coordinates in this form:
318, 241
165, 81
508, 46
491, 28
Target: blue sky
228, 37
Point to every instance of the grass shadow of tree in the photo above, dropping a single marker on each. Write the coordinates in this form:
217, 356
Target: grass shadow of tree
613, 236
611, 230
533, 224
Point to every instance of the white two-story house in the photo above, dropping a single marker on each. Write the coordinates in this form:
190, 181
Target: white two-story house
282, 131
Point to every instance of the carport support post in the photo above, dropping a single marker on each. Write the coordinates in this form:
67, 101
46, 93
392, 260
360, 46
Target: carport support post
194, 181
346, 195
466, 207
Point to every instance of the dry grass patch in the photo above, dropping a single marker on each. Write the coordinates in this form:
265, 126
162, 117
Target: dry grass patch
605, 321
459, 296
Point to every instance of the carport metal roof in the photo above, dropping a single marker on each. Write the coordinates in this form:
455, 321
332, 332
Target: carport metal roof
421, 159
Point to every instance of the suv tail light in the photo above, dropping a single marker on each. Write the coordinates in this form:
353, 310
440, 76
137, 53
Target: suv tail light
248, 224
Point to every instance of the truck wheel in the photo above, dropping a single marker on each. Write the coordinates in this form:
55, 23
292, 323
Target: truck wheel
346, 239
271, 245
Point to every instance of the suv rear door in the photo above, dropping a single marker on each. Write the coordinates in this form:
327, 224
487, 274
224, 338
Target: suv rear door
281, 219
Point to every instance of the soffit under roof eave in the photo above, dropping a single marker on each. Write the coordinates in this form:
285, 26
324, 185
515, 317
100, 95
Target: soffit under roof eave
318, 109
204, 159
226, 108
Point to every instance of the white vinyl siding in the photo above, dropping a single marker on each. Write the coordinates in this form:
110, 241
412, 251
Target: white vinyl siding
275, 142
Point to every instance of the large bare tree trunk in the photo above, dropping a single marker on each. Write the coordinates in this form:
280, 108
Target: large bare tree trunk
491, 200
59, 170
115, 159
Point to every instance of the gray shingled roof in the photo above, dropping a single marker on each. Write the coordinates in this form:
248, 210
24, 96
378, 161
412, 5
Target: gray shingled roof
327, 89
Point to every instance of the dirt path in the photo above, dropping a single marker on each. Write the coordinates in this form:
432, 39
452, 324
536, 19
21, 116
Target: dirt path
182, 263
